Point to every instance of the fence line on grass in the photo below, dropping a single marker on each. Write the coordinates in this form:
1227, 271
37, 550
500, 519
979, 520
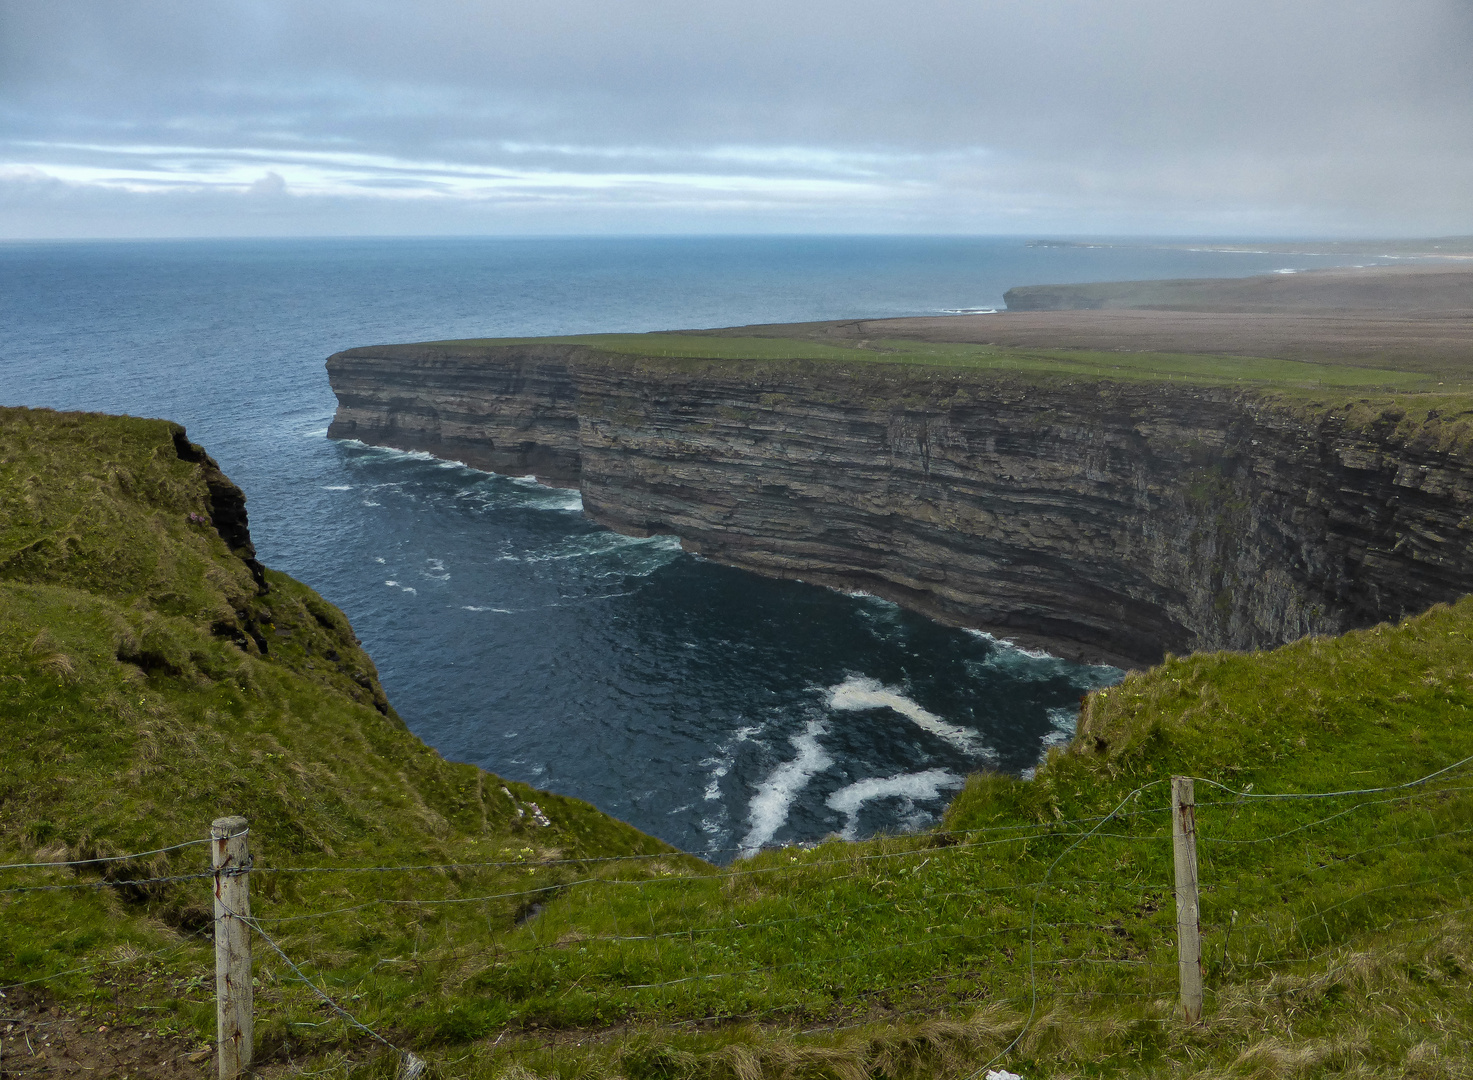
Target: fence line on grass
1224, 831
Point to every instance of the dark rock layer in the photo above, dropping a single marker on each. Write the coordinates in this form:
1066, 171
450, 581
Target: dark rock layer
1106, 521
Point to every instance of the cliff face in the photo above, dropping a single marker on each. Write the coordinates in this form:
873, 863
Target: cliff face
517, 414
1111, 521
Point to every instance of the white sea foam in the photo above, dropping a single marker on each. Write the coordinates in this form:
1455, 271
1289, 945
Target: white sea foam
1032, 654
721, 763
378, 559
1033, 665
497, 610
337, 487
370, 502
1064, 719
910, 788
856, 693
395, 584
769, 808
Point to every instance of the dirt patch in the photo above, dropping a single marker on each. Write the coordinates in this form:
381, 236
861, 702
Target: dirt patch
39, 1039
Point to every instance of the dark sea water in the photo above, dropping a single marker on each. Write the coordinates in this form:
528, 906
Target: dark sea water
719, 711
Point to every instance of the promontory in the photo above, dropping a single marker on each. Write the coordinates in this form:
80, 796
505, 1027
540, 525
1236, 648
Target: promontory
1292, 456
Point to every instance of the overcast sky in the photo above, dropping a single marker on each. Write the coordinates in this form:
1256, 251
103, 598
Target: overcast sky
283, 117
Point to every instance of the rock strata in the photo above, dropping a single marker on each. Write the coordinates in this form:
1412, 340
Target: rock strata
1103, 521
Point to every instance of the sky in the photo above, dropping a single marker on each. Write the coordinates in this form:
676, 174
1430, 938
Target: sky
1045, 117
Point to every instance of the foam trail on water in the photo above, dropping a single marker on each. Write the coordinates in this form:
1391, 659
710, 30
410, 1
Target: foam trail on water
909, 787
768, 809
856, 693
1065, 718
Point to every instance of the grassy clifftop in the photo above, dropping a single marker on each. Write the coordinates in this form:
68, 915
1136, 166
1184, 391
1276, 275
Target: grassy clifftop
152, 678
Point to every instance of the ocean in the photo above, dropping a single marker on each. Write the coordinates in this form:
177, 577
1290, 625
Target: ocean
716, 710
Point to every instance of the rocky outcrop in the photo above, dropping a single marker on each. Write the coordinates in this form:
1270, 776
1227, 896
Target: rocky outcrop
1107, 521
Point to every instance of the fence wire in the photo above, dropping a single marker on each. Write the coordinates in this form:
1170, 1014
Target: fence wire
1245, 864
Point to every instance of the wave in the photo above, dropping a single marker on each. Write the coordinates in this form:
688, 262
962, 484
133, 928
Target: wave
630, 555
909, 788
1065, 720
768, 810
1036, 665
857, 693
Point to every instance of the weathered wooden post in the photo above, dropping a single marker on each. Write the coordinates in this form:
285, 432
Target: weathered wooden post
234, 1023
1188, 904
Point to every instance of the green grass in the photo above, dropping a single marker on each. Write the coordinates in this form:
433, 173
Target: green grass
1031, 927
138, 704
1206, 370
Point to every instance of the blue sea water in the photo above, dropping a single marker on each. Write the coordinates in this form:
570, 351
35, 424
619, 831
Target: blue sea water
716, 710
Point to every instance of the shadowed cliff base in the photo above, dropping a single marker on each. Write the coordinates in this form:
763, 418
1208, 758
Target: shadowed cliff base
1108, 505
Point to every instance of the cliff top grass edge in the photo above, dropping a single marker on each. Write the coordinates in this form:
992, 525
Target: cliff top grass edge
950, 358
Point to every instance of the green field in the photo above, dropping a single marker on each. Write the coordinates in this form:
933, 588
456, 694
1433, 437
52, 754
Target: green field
1033, 930
1056, 363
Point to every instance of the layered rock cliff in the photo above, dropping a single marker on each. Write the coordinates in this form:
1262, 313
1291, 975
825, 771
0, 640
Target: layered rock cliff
1113, 521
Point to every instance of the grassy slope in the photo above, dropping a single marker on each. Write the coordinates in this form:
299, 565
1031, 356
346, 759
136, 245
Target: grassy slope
137, 705
1338, 939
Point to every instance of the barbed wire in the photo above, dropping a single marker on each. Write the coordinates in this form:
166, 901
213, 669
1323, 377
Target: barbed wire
1039, 936
106, 884
72, 864
414, 1066
1321, 821
1248, 795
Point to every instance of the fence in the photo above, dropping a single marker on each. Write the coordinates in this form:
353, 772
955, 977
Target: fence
1123, 913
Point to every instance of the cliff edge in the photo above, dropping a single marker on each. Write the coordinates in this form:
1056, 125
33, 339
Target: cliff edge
1104, 518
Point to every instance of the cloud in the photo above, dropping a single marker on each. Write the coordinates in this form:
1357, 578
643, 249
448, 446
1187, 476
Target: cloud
938, 115
268, 185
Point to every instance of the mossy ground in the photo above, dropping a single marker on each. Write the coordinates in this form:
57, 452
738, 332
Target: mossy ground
1034, 927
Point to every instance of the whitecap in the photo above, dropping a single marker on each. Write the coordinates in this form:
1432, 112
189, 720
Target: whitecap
393, 583
768, 810
337, 487
1064, 720
909, 788
370, 502
857, 693
1035, 665
497, 610
1032, 654
1286, 271
378, 559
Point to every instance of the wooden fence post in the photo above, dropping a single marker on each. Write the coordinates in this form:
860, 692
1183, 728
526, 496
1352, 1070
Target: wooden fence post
234, 1021
1188, 904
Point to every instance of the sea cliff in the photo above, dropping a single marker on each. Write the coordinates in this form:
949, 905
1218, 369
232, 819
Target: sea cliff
1104, 520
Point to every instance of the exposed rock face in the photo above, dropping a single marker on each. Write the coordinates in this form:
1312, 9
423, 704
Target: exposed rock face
1111, 521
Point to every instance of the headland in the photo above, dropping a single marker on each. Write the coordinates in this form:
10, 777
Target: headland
1109, 484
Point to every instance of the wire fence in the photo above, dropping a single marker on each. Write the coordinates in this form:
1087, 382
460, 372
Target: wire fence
1077, 910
